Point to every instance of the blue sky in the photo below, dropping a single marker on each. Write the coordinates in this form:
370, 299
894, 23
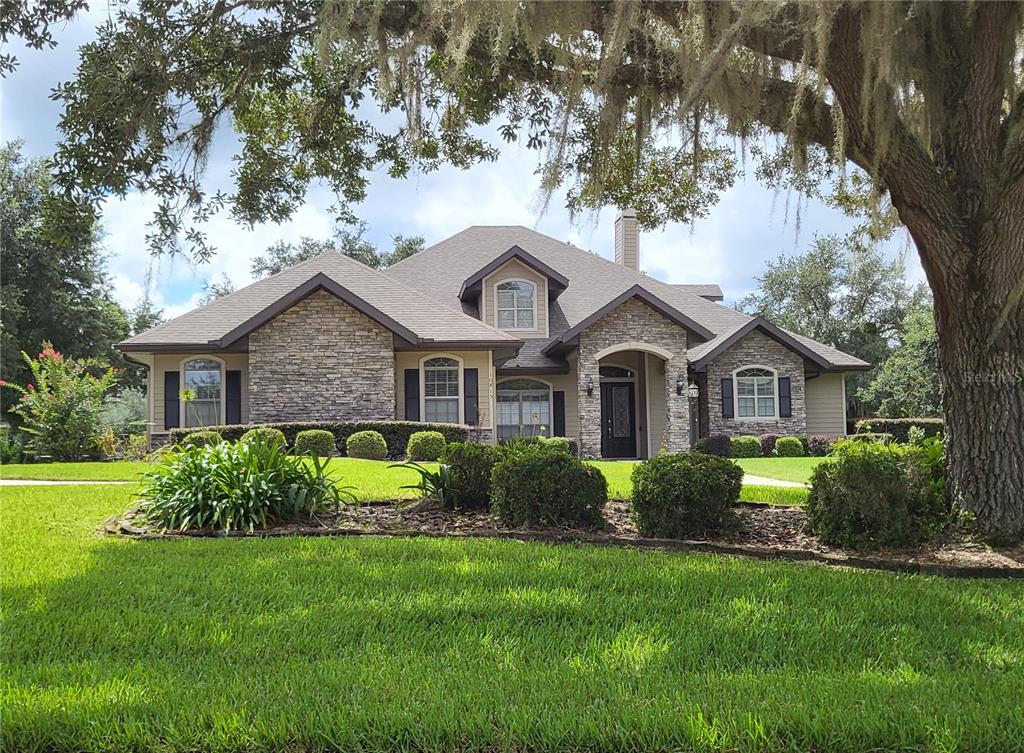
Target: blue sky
750, 225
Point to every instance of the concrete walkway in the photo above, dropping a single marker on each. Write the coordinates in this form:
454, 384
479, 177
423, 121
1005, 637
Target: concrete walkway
749, 480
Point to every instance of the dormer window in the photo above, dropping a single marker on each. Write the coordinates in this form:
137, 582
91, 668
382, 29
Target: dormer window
517, 305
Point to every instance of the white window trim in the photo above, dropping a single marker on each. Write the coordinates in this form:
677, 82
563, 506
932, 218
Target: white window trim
222, 413
462, 385
536, 293
551, 403
736, 395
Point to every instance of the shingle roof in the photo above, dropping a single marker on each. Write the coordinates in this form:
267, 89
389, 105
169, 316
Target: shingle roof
705, 290
402, 309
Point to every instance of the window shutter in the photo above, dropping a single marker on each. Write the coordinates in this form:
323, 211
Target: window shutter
727, 398
172, 406
471, 381
412, 394
233, 397
558, 407
785, 403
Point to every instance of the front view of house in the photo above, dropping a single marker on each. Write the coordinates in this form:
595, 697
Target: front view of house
501, 328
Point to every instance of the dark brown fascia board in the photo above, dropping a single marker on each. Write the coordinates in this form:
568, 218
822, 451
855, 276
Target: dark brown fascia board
776, 333
647, 297
557, 282
317, 282
460, 345
207, 347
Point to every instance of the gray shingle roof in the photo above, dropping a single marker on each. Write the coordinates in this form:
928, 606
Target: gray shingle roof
705, 290
429, 318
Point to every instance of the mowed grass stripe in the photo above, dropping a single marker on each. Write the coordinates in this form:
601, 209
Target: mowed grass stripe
433, 645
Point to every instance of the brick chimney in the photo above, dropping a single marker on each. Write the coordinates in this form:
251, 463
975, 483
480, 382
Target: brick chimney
627, 240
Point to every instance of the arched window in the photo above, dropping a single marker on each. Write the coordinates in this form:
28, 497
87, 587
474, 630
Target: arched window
516, 304
524, 408
755, 393
616, 372
202, 390
441, 390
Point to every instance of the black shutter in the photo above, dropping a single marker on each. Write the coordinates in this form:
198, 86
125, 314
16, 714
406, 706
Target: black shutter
233, 397
412, 394
727, 398
471, 381
558, 406
172, 406
785, 404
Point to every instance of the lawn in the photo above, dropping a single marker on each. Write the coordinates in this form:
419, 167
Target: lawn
784, 469
438, 645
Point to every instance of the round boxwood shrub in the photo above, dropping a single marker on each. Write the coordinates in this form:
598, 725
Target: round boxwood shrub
425, 445
875, 493
747, 446
717, 444
548, 488
682, 495
266, 435
789, 447
469, 468
314, 442
366, 444
201, 439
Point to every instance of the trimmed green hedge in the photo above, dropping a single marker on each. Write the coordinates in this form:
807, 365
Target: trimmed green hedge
789, 447
396, 433
315, 442
470, 467
679, 495
900, 427
202, 439
369, 445
746, 446
425, 446
548, 488
265, 434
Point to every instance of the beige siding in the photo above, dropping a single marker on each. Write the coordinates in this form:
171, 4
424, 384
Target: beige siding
566, 383
656, 401
826, 405
515, 270
471, 359
173, 362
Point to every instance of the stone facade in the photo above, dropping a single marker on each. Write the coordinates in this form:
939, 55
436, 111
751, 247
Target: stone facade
757, 349
633, 321
321, 360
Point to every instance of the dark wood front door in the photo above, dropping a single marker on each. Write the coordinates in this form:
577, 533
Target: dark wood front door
618, 423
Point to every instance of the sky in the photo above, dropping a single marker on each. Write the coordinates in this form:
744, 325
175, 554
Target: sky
749, 226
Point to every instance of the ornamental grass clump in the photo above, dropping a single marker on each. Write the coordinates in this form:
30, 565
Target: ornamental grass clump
235, 486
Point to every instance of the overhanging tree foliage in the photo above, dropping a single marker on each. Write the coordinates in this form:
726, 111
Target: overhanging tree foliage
924, 99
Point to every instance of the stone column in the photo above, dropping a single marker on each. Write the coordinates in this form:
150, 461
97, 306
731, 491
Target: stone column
677, 419
589, 438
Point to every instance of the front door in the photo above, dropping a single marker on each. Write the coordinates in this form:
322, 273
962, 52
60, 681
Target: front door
618, 426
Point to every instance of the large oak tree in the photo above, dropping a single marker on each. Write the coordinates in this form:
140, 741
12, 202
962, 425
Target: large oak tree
626, 102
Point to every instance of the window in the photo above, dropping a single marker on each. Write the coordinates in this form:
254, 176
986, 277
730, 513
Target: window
203, 384
441, 390
516, 305
524, 408
615, 372
755, 393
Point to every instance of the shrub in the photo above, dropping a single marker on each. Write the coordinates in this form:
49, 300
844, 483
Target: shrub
899, 427
876, 493
768, 444
396, 433
60, 408
470, 466
681, 495
877, 437
747, 446
718, 444
820, 445
790, 447
266, 435
10, 446
315, 442
425, 445
542, 487
560, 444
367, 444
433, 483
202, 439
125, 412
235, 486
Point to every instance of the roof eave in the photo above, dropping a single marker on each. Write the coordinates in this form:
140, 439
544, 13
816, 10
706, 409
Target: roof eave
779, 335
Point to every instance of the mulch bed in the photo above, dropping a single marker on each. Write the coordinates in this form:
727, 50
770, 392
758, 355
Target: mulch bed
760, 531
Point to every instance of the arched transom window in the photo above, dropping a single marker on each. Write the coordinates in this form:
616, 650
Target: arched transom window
441, 390
516, 304
202, 392
755, 393
524, 408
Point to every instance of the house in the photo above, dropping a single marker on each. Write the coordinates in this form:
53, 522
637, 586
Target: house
501, 328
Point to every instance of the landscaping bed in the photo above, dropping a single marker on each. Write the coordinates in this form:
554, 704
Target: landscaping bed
759, 530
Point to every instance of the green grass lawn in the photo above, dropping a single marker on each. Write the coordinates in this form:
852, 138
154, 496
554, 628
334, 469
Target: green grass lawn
440, 645
774, 495
784, 469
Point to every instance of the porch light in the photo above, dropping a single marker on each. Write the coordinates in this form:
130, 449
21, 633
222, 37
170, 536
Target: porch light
680, 384
590, 386
693, 391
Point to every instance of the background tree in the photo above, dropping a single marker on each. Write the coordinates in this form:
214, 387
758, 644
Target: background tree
841, 292
926, 99
214, 289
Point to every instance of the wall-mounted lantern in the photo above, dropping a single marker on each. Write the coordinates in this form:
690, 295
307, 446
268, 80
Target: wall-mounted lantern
590, 386
693, 391
680, 384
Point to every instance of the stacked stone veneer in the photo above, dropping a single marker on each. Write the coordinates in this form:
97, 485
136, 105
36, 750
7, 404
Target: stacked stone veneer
321, 360
633, 321
757, 349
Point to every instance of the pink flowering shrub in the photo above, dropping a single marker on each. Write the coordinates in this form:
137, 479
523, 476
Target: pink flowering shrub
60, 408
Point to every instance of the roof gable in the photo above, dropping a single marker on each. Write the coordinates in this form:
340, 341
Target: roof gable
472, 285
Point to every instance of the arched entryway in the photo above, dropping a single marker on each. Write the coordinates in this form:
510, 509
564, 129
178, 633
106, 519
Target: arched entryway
632, 399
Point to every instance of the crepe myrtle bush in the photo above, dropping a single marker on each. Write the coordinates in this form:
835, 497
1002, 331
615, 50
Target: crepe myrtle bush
682, 495
746, 446
548, 488
369, 445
